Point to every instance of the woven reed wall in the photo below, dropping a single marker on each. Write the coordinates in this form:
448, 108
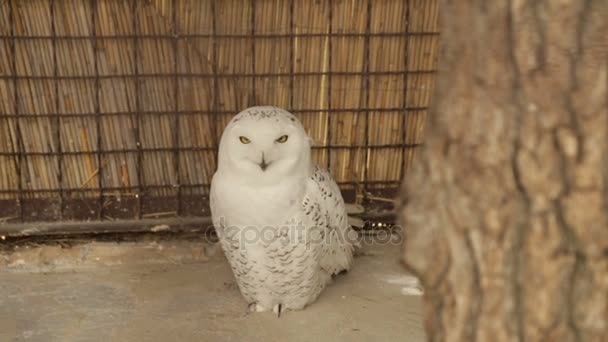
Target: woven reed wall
113, 109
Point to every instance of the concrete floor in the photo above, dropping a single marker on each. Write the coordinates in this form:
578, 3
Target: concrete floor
180, 291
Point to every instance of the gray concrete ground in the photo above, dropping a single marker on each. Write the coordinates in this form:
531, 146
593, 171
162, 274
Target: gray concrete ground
182, 291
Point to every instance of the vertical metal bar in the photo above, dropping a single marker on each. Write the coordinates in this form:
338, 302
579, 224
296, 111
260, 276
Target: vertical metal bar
405, 82
57, 116
16, 108
176, 109
329, 80
291, 53
366, 91
216, 86
252, 37
138, 163
97, 109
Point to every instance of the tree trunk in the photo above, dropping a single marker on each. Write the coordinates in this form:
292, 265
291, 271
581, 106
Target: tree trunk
506, 208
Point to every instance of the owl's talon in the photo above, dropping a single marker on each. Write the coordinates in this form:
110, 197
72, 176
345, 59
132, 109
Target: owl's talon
277, 310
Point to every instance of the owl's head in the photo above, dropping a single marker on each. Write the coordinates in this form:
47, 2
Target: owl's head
265, 143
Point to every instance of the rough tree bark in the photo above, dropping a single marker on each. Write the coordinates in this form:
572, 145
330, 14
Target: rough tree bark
506, 207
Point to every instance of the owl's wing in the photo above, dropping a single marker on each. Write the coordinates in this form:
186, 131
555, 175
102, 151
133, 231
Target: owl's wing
230, 241
324, 204
228, 237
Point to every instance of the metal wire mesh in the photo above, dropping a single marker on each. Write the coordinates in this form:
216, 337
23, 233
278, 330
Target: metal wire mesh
113, 110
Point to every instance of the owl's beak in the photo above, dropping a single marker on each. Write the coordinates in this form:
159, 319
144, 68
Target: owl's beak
263, 164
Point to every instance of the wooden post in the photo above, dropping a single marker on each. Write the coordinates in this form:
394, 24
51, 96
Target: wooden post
506, 208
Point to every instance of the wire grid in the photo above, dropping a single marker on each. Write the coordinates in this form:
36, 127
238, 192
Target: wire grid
139, 197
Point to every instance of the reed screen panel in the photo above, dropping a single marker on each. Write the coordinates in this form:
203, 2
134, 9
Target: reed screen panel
113, 109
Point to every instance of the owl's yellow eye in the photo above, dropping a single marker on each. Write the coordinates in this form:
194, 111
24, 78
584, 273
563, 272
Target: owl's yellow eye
282, 139
244, 140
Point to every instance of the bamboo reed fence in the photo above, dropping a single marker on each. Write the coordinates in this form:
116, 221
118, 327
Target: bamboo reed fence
113, 109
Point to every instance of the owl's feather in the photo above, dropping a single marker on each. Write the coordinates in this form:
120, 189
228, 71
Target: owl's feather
325, 194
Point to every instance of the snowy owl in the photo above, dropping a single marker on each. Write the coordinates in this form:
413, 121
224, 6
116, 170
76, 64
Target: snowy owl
280, 219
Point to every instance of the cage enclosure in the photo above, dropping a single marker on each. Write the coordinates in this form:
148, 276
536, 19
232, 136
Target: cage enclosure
111, 111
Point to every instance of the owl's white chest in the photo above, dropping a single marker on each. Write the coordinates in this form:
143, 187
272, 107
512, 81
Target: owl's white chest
241, 205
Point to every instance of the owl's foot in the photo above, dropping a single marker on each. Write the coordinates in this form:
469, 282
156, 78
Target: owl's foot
255, 307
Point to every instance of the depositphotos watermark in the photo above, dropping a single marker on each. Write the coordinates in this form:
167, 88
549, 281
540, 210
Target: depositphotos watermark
295, 232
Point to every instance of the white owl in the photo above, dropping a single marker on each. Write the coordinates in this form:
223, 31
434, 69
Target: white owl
280, 219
